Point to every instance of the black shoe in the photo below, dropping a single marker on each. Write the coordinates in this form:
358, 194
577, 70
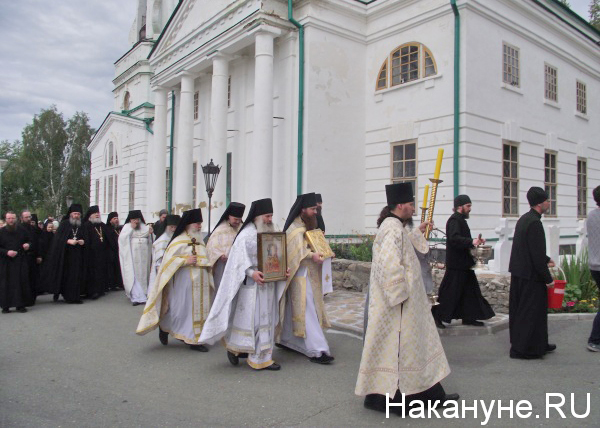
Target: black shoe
323, 359
138, 303
473, 322
550, 347
163, 336
199, 348
55, 297
519, 356
282, 346
233, 359
273, 366
439, 323
5, 310
22, 309
94, 296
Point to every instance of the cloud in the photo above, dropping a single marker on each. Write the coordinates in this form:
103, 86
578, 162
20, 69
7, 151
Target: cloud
59, 53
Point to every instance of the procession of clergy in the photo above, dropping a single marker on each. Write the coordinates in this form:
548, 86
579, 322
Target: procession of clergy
205, 293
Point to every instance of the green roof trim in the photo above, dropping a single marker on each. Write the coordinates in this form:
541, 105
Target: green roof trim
165, 28
573, 15
143, 105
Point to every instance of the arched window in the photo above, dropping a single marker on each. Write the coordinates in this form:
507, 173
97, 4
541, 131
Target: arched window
126, 100
111, 155
407, 63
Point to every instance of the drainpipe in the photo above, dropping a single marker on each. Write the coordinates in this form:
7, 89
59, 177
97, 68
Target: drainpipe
300, 96
170, 204
456, 94
148, 121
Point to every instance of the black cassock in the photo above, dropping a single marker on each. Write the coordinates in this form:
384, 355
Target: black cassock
65, 268
528, 301
99, 254
14, 272
45, 247
31, 255
116, 279
459, 295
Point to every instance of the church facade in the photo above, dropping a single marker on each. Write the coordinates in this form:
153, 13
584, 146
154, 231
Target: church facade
384, 85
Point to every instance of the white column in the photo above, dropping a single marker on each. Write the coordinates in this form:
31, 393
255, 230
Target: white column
218, 130
157, 155
182, 192
263, 117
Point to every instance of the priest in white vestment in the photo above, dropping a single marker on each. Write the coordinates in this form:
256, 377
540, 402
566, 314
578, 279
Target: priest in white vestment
135, 256
302, 310
179, 301
246, 309
402, 352
221, 239
160, 246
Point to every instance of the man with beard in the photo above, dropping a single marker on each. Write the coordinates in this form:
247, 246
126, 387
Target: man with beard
65, 269
135, 256
530, 277
180, 300
246, 309
160, 246
116, 280
221, 239
459, 294
402, 352
14, 272
161, 224
31, 255
99, 249
302, 310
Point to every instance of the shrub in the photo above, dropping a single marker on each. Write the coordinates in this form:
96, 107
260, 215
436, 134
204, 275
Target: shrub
352, 250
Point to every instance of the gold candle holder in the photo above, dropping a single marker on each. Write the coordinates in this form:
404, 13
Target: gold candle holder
423, 214
435, 183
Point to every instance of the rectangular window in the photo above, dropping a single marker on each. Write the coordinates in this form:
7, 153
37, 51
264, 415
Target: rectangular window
115, 206
110, 194
97, 199
581, 188
550, 180
196, 102
551, 83
194, 183
228, 180
229, 92
131, 190
167, 188
404, 163
104, 199
510, 180
581, 98
510, 71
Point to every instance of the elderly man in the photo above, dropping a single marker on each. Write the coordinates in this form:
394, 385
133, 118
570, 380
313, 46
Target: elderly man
302, 310
221, 239
245, 311
135, 256
402, 352
459, 294
15, 291
65, 270
530, 277
179, 302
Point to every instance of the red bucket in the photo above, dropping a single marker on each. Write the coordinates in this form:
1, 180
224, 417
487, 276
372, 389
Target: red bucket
556, 294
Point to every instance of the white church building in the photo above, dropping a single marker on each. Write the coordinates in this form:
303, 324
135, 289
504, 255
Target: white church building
341, 97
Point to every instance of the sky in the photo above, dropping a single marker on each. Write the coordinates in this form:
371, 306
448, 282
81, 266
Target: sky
62, 52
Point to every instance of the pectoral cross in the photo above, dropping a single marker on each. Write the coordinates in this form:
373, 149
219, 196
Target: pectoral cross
193, 245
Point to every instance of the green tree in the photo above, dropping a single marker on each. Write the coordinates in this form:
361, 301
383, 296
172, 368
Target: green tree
565, 2
49, 163
595, 13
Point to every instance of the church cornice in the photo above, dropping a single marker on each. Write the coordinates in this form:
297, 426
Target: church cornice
132, 71
111, 118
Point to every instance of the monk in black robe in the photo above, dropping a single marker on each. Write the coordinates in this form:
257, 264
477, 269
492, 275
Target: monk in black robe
31, 254
65, 270
116, 279
530, 277
459, 295
98, 257
15, 290
46, 238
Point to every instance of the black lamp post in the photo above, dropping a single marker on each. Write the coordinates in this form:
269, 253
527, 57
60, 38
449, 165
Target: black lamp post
211, 173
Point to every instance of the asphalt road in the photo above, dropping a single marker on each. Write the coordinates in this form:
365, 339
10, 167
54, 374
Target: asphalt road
83, 366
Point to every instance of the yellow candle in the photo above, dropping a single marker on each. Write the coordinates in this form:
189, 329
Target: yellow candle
438, 164
425, 197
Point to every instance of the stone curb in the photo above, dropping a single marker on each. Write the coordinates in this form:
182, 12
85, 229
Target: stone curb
575, 316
